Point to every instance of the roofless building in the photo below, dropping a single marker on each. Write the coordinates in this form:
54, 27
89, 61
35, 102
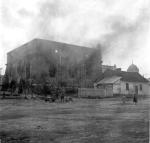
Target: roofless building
59, 63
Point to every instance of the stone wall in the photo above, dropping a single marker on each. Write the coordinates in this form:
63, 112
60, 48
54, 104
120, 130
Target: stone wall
42, 60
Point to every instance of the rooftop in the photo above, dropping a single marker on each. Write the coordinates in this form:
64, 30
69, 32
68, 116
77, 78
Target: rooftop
126, 76
109, 80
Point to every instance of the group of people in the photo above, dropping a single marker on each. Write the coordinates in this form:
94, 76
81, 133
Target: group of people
135, 99
54, 92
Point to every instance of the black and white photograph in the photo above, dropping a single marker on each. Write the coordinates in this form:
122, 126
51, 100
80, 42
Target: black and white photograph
74, 71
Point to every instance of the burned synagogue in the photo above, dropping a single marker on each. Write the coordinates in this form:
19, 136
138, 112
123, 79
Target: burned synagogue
75, 71
55, 63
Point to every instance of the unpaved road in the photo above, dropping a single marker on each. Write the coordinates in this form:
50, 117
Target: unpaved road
83, 121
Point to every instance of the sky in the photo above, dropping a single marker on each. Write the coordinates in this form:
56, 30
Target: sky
120, 27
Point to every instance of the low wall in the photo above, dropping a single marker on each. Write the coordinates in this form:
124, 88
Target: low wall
91, 92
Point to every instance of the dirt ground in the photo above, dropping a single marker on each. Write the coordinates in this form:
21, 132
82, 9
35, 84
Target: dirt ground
82, 121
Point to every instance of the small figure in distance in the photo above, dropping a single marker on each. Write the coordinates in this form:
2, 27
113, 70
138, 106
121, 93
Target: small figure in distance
62, 94
135, 100
123, 99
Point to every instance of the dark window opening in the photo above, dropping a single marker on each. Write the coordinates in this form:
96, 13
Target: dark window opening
140, 87
52, 71
127, 86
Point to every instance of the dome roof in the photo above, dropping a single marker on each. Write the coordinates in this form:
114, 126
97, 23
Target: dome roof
133, 68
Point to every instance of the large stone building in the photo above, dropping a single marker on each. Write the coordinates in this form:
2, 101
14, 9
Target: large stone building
42, 60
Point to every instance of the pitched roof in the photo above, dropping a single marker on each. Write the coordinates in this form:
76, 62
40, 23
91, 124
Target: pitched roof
109, 80
126, 76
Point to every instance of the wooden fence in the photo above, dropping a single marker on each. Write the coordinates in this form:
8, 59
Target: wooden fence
94, 93
90, 92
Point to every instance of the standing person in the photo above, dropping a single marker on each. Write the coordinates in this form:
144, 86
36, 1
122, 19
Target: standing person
62, 95
57, 92
135, 100
13, 85
123, 99
135, 97
45, 89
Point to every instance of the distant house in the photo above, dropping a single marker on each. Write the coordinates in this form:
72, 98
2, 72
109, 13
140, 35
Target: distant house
106, 67
122, 82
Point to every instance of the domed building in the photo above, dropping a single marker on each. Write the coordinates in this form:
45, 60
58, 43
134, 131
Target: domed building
133, 68
117, 82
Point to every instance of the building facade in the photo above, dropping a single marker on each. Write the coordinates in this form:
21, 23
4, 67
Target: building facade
124, 83
108, 67
42, 60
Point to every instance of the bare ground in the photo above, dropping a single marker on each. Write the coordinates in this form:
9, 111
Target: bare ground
83, 121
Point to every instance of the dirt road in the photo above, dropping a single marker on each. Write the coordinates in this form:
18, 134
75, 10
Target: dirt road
83, 121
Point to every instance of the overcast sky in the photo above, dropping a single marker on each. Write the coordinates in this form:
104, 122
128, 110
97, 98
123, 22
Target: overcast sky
121, 27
